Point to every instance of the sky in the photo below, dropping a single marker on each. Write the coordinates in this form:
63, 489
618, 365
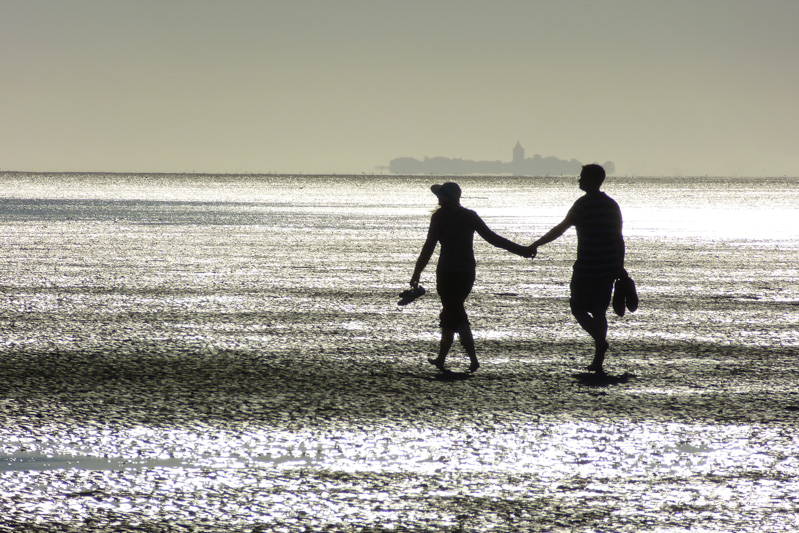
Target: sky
684, 87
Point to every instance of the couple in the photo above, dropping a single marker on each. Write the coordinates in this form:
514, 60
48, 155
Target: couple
600, 261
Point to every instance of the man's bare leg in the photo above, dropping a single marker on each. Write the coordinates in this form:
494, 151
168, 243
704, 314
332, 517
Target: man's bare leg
595, 325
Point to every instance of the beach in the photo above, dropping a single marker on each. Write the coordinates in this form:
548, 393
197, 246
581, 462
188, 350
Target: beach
226, 353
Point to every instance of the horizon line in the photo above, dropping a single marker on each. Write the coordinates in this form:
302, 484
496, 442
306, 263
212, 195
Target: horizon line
364, 173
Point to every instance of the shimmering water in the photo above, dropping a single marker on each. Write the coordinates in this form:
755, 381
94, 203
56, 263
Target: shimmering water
225, 353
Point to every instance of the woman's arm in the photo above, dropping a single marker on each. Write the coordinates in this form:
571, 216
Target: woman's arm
499, 241
428, 248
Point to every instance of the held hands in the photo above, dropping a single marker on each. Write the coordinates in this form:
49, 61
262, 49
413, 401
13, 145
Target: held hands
531, 251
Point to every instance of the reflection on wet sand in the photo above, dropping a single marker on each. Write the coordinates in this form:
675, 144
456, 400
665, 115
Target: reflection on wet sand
145, 440
183, 372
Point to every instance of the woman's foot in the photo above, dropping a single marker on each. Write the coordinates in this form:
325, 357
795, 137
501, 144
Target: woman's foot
474, 366
436, 363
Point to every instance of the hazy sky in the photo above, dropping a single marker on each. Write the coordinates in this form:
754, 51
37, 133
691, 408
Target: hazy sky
686, 87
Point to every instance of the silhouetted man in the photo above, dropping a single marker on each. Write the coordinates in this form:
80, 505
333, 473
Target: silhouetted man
600, 257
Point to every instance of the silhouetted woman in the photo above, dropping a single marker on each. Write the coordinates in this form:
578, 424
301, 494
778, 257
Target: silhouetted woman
454, 227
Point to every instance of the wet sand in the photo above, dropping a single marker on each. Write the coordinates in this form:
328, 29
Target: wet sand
170, 364
677, 437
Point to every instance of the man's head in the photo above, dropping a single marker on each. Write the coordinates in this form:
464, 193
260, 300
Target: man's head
591, 177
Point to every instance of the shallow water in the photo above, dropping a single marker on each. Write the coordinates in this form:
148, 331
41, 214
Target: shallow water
225, 353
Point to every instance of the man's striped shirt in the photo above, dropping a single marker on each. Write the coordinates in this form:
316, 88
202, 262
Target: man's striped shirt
597, 218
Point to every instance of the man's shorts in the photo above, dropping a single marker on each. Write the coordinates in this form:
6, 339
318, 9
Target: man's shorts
591, 293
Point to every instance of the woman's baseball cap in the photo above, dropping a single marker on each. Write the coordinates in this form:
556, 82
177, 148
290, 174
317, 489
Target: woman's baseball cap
447, 192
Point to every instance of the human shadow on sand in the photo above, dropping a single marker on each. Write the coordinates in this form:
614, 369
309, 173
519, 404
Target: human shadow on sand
442, 377
449, 375
592, 379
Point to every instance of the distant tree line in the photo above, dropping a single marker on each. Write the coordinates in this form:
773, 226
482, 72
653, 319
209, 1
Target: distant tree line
519, 166
536, 166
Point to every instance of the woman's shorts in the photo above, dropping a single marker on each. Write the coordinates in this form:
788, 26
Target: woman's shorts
454, 288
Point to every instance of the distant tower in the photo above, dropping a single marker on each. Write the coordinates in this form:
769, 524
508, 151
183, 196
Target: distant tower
518, 153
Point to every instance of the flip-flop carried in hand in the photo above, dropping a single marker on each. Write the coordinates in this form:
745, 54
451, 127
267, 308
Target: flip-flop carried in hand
409, 295
625, 296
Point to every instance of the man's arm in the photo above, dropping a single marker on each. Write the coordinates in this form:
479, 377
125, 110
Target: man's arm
622, 250
552, 234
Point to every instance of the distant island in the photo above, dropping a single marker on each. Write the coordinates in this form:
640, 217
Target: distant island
519, 166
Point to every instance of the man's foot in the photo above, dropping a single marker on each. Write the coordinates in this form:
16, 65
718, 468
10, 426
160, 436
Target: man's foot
593, 367
599, 358
474, 366
436, 363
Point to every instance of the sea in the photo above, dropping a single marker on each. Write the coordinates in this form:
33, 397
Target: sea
189, 352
